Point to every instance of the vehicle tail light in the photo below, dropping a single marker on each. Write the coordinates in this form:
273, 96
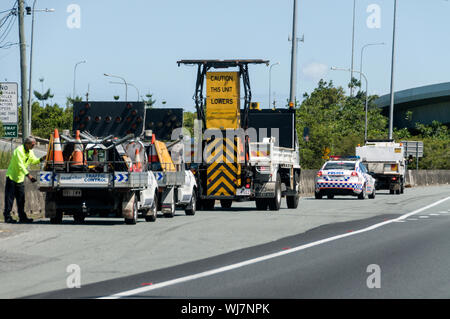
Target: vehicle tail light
247, 185
354, 173
394, 178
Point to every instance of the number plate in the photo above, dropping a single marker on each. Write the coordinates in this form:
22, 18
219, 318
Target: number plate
71, 192
243, 192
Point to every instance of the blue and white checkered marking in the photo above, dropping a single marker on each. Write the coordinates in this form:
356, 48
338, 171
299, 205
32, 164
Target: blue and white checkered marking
355, 186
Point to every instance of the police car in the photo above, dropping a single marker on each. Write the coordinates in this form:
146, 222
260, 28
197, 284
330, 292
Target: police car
344, 176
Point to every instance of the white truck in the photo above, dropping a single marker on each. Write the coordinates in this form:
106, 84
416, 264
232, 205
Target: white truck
108, 167
276, 174
115, 179
107, 182
385, 161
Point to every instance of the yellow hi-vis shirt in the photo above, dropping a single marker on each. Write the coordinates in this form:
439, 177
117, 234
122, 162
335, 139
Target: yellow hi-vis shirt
18, 166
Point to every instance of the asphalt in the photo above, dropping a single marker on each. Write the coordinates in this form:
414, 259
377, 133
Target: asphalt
114, 257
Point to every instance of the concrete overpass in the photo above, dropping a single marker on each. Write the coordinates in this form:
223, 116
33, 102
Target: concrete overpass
427, 104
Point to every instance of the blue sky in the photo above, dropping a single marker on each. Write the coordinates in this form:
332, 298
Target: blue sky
142, 40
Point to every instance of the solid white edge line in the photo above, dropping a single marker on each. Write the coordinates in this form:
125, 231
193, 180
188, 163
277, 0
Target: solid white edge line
266, 257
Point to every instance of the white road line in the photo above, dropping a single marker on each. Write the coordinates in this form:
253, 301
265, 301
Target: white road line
434, 214
424, 216
266, 257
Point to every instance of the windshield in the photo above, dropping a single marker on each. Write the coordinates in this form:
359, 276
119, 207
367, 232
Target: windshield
339, 165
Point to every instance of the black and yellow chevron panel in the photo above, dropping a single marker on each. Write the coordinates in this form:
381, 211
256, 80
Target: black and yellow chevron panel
223, 171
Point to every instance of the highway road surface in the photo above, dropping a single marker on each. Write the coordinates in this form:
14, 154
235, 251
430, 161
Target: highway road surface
393, 246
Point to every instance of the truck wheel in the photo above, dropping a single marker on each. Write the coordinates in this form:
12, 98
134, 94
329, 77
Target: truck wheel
261, 203
226, 203
391, 191
292, 201
363, 194
372, 196
58, 218
208, 204
317, 195
331, 196
132, 221
275, 203
192, 207
78, 217
151, 214
170, 213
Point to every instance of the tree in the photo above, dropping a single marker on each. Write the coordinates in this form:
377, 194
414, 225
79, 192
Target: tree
188, 121
43, 96
335, 122
149, 102
46, 118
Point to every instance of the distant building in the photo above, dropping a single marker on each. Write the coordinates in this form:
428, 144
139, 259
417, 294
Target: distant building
423, 104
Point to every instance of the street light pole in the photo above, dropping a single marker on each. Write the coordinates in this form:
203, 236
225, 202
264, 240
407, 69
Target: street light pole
362, 52
391, 107
353, 48
293, 58
124, 81
367, 96
74, 77
270, 80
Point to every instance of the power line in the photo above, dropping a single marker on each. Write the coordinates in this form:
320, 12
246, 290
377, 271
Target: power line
10, 20
7, 30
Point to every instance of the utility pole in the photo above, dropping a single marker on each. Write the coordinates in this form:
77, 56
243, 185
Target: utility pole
391, 107
23, 72
292, 94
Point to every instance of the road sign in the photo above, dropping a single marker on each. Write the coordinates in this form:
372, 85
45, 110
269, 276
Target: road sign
222, 100
10, 130
326, 152
8, 102
413, 148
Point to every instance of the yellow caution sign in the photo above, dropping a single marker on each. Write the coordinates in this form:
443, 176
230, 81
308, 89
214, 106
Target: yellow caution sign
326, 152
222, 100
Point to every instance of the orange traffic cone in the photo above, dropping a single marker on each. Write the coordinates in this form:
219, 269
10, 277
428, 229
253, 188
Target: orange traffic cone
77, 155
137, 166
57, 155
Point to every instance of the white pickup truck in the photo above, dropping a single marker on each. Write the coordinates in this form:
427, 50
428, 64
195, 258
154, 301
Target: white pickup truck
106, 184
276, 174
